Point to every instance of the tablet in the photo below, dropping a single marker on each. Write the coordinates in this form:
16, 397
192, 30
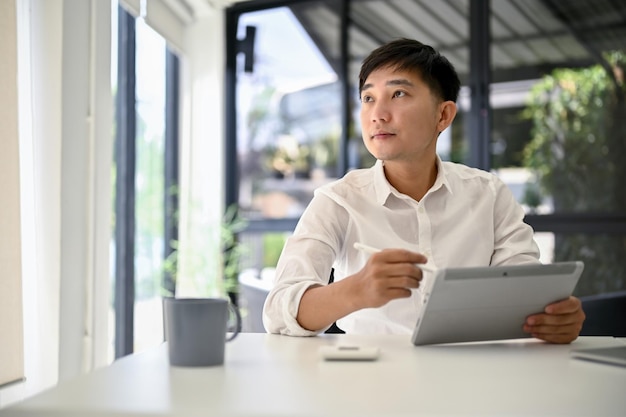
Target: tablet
489, 303
614, 355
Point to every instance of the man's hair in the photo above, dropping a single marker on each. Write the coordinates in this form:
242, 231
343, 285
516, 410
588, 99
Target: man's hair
410, 55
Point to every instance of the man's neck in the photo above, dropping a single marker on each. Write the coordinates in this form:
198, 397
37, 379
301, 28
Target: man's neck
413, 179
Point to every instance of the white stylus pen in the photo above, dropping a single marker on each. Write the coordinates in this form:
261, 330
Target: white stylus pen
370, 250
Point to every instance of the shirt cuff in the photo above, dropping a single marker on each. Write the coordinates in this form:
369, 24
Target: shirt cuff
290, 310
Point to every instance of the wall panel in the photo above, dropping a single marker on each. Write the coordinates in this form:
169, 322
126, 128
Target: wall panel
11, 320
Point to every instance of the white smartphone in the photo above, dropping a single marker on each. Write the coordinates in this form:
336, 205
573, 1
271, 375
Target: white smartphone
349, 353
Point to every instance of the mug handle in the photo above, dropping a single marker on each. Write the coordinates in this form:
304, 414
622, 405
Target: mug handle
237, 328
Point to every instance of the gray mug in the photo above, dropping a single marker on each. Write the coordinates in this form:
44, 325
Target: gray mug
196, 329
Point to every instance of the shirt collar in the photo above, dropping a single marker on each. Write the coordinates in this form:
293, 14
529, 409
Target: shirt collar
383, 189
442, 177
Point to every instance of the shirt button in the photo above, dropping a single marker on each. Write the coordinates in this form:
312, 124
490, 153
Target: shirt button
420, 210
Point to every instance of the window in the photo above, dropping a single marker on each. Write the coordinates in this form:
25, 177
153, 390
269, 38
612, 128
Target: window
146, 177
289, 126
539, 106
556, 139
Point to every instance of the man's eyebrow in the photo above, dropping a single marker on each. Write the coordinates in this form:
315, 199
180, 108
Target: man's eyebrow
399, 81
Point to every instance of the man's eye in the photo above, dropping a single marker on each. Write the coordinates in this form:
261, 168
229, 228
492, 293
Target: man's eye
366, 99
399, 94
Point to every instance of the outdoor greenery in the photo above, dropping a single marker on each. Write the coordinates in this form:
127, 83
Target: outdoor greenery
232, 249
200, 264
149, 207
577, 149
272, 247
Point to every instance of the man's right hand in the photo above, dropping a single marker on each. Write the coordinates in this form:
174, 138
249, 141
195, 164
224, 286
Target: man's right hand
387, 275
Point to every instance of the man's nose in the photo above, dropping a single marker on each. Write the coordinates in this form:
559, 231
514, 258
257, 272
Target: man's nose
380, 112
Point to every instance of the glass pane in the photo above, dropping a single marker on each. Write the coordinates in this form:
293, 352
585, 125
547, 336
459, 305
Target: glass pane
262, 249
558, 125
111, 318
288, 116
556, 140
603, 255
149, 177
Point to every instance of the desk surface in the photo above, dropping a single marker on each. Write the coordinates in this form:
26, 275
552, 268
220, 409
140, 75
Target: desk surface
271, 375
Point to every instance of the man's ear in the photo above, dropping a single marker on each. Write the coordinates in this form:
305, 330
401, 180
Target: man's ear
447, 112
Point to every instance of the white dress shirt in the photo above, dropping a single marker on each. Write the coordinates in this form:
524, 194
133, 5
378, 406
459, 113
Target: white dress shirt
468, 218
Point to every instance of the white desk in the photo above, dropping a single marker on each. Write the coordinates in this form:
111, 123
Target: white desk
270, 375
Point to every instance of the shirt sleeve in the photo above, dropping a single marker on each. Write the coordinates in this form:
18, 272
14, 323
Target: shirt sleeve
306, 260
514, 239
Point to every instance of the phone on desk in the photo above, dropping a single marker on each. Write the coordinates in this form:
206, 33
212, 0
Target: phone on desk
348, 353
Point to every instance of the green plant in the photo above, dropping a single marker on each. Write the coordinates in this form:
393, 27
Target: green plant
232, 248
578, 143
198, 266
576, 137
532, 196
272, 247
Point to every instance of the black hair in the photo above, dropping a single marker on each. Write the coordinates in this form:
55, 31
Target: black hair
407, 54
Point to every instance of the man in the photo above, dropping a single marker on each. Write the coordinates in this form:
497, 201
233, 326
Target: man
411, 204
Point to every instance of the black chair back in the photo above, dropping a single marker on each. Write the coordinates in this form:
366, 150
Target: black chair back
606, 314
333, 329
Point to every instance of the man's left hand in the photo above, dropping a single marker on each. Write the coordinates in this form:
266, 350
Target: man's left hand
560, 322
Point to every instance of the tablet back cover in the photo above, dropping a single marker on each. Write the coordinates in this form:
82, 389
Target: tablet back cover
490, 303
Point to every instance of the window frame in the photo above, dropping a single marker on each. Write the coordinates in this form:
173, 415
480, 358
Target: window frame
125, 162
479, 116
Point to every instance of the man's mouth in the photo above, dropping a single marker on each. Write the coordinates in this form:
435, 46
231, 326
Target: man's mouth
381, 135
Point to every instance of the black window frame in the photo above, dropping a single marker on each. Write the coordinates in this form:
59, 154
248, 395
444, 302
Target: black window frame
125, 161
480, 119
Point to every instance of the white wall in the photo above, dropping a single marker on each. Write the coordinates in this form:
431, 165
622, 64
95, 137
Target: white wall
65, 111
86, 155
66, 143
11, 329
39, 50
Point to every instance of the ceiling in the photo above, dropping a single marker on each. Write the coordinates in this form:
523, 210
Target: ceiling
529, 37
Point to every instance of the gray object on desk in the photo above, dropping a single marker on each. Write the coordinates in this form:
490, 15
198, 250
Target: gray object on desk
490, 303
614, 355
195, 330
